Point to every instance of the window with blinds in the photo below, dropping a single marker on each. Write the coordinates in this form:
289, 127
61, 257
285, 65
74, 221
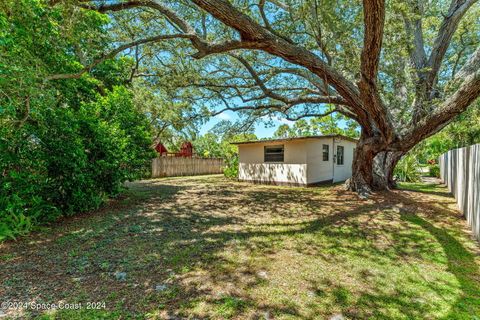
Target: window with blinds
273, 153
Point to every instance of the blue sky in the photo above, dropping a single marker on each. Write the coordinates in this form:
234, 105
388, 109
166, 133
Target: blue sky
261, 130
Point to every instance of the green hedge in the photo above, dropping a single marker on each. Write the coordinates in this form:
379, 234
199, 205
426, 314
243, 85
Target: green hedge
68, 160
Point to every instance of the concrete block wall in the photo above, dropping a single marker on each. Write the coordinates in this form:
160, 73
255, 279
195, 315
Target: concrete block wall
460, 171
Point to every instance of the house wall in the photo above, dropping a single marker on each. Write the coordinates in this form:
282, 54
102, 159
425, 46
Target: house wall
319, 170
273, 173
294, 152
343, 172
292, 171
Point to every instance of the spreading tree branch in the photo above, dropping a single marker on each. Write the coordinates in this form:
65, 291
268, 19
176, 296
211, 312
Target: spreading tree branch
457, 103
471, 66
428, 71
374, 21
449, 25
250, 30
113, 53
363, 103
414, 30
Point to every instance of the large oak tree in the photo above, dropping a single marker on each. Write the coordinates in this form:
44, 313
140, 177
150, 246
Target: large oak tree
402, 69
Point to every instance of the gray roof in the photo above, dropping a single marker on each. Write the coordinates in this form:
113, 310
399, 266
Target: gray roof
298, 138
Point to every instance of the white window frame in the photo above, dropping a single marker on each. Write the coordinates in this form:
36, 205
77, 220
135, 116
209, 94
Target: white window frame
328, 152
343, 156
276, 147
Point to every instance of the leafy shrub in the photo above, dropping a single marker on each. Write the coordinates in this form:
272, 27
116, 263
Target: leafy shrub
408, 169
210, 145
67, 145
434, 170
231, 169
69, 160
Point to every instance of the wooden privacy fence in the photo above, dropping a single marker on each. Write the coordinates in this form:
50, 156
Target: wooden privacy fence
176, 166
460, 171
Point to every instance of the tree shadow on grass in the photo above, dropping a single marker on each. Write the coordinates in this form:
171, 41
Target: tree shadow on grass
461, 264
408, 307
460, 261
177, 238
157, 242
426, 188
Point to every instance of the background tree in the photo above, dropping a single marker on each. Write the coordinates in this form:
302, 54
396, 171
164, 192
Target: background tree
332, 124
65, 146
172, 121
220, 146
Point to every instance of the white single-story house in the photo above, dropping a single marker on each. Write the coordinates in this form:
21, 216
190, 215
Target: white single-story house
296, 161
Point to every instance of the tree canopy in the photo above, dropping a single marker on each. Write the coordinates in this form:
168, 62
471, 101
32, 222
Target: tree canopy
65, 146
401, 69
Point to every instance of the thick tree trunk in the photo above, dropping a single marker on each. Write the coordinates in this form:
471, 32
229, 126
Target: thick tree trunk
362, 173
372, 167
362, 180
383, 166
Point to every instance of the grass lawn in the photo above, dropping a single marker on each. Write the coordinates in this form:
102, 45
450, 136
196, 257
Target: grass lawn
207, 247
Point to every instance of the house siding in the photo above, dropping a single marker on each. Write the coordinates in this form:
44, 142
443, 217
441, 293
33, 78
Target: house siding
273, 173
319, 170
343, 172
294, 152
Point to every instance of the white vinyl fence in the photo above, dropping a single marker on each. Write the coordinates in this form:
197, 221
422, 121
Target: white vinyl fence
177, 166
460, 171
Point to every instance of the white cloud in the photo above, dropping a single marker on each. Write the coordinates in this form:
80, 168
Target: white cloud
223, 116
285, 121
